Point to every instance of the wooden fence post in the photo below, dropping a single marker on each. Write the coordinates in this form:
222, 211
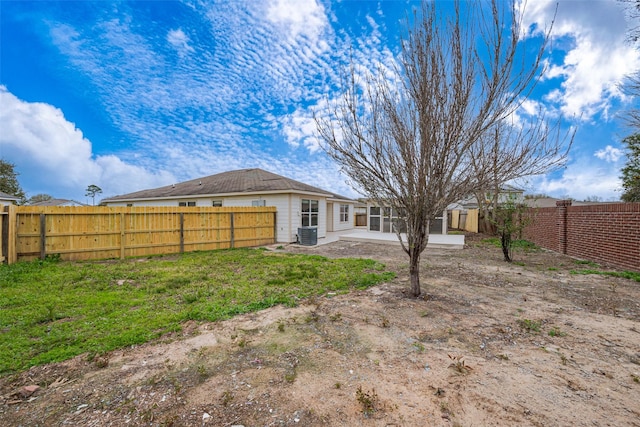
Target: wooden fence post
275, 227
232, 231
11, 233
181, 232
43, 236
4, 222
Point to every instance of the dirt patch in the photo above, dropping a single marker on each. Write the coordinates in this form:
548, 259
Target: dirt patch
489, 344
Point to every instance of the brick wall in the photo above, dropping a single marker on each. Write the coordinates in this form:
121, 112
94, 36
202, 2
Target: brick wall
604, 233
543, 228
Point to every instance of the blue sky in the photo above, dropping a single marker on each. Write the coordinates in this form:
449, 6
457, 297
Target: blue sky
135, 95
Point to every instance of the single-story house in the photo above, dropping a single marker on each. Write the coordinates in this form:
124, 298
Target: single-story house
58, 202
8, 199
297, 204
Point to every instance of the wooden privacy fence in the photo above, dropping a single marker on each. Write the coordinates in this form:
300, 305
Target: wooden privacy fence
464, 220
85, 233
3, 215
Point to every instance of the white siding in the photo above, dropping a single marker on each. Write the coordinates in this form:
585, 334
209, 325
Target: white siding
164, 202
288, 206
322, 217
280, 201
341, 226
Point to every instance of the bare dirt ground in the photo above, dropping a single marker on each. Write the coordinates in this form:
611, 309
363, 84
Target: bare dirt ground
475, 351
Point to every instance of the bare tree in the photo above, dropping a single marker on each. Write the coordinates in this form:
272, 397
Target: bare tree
631, 85
633, 15
421, 138
512, 150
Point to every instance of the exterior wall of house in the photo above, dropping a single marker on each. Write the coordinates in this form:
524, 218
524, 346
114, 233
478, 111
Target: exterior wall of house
296, 217
440, 227
604, 233
342, 225
284, 232
289, 211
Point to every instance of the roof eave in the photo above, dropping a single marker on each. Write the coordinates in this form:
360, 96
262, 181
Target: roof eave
241, 193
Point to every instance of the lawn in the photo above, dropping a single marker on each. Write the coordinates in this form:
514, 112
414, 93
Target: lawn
51, 310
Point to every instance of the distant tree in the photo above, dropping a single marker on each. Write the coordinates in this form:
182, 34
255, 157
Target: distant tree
631, 171
39, 198
537, 196
9, 181
593, 199
414, 138
92, 191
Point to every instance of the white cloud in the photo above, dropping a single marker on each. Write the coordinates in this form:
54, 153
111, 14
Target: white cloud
609, 154
180, 41
299, 17
299, 128
50, 152
581, 179
597, 58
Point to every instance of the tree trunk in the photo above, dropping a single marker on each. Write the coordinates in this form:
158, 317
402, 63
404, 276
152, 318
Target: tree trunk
414, 272
505, 240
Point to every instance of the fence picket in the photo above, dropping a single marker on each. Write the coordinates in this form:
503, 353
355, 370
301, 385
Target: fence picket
83, 233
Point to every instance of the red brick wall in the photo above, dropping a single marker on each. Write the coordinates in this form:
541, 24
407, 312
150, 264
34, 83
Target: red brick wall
606, 233
543, 228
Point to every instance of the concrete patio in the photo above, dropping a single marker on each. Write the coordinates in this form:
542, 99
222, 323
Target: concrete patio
441, 241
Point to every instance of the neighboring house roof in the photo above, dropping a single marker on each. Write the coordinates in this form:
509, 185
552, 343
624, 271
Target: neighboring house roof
243, 181
58, 202
470, 202
8, 197
506, 188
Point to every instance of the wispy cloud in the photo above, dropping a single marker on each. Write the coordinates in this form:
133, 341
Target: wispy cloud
596, 59
180, 41
235, 84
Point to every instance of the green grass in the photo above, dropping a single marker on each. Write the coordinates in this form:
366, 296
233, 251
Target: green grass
530, 325
585, 262
631, 275
51, 311
516, 244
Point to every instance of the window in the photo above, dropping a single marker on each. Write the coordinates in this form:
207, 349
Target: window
216, 203
129, 205
186, 203
309, 213
374, 218
258, 203
386, 219
344, 213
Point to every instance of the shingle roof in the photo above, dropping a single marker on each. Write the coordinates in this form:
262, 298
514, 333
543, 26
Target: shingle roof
5, 196
58, 202
233, 182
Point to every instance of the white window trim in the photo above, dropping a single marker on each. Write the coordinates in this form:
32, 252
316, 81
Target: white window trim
344, 214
